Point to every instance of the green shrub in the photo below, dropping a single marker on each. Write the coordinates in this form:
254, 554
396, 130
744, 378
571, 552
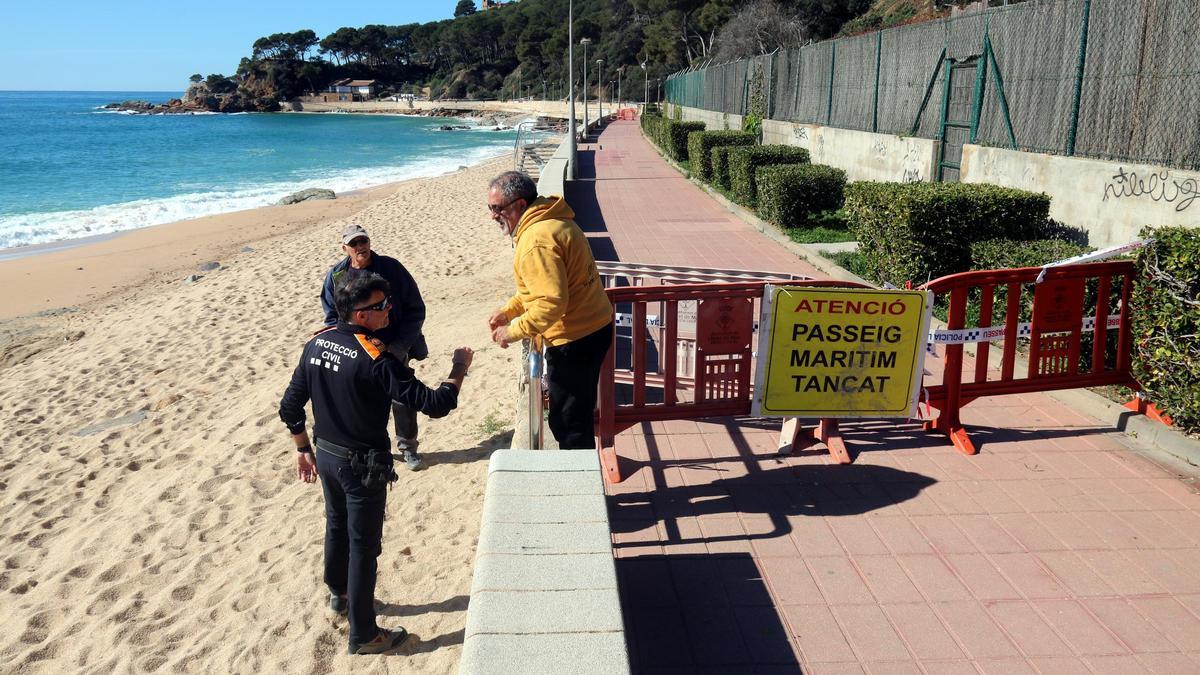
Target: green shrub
1166, 323
997, 254
652, 125
788, 194
720, 165
921, 231
701, 143
744, 162
675, 138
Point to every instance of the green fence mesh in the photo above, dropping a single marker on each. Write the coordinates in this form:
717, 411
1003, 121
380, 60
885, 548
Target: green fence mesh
1112, 79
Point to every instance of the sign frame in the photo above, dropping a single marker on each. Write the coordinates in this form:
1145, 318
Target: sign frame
765, 342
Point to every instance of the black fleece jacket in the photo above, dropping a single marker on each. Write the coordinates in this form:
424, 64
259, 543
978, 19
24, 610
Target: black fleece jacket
352, 383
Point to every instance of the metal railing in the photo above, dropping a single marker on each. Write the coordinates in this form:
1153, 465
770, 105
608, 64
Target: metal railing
532, 369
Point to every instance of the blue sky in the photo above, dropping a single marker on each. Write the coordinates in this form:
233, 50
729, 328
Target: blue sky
154, 45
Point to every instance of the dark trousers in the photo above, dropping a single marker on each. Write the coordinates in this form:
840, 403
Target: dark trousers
353, 540
406, 427
573, 372
405, 417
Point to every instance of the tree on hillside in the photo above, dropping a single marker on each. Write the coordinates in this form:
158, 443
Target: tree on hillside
759, 28
680, 32
464, 7
823, 18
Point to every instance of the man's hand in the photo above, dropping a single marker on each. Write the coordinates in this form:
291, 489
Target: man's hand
463, 356
500, 336
306, 467
497, 319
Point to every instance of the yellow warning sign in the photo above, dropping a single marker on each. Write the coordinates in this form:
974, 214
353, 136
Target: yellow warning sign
840, 352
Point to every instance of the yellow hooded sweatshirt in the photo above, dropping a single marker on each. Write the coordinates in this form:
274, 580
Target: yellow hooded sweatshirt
559, 294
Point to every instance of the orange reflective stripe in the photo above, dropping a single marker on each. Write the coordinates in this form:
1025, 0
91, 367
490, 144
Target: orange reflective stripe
367, 346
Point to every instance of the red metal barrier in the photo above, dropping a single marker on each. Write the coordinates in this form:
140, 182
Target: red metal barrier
722, 369
1054, 333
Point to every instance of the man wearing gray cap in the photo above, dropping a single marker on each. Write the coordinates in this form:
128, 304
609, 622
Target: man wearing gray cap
406, 316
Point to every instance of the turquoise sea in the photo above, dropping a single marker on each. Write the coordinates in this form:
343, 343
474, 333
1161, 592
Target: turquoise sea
69, 169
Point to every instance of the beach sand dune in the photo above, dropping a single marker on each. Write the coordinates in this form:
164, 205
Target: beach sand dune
152, 518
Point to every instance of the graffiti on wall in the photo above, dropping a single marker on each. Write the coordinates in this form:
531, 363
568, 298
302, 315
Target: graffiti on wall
1159, 186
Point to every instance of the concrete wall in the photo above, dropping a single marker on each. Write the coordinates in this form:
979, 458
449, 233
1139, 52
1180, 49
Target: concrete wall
713, 121
1112, 200
861, 154
544, 593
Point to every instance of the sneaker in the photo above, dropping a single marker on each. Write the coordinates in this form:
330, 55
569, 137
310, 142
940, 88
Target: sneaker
412, 460
338, 603
385, 641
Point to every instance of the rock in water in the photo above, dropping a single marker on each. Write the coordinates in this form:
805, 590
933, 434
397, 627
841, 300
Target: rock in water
305, 195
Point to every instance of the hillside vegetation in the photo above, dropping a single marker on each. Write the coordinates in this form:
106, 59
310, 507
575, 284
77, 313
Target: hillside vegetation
519, 49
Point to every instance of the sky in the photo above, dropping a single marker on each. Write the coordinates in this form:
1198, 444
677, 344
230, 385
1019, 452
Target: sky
154, 45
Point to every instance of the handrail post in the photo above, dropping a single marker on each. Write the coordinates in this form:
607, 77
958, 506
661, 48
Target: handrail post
531, 379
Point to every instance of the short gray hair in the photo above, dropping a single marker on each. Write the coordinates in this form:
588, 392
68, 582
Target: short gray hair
515, 185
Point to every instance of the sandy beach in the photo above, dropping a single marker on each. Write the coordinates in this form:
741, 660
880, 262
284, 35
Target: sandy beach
152, 516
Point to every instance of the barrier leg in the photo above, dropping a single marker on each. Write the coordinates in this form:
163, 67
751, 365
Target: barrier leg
793, 438
828, 433
955, 430
610, 464
1141, 407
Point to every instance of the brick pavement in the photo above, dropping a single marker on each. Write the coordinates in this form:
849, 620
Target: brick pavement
1057, 549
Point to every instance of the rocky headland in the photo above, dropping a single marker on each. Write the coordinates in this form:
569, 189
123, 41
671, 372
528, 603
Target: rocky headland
199, 97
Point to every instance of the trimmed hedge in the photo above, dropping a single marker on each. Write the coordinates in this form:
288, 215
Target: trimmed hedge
789, 193
701, 143
921, 231
675, 138
720, 165
1166, 323
652, 125
996, 254
745, 160
670, 136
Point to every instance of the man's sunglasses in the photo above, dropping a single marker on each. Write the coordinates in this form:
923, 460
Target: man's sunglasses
381, 306
358, 241
497, 209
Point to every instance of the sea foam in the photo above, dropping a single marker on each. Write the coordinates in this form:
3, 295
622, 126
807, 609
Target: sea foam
38, 228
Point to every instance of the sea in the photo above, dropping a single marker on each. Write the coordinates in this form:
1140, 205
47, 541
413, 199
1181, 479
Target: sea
71, 169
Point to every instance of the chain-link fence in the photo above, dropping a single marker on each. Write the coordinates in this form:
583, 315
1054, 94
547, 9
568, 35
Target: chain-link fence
1113, 79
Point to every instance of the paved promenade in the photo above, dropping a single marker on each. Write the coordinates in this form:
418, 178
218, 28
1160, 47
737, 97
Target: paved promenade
1057, 549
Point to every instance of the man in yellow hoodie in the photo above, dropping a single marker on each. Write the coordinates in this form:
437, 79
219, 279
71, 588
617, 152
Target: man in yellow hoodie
560, 301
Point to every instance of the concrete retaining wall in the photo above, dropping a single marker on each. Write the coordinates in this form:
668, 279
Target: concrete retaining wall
1112, 200
553, 177
861, 154
544, 593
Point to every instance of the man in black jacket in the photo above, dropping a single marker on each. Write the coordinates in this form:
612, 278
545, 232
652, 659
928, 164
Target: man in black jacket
352, 380
402, 335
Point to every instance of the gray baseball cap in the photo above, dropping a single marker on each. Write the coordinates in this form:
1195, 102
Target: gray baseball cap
353, 231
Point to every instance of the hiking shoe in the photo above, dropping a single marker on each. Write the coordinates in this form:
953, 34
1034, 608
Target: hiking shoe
338, 603
412, 460
385, 641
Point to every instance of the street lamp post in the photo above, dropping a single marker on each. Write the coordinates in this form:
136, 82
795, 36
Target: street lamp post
645, 89
585, 42
600, 89
571, 147
619, 86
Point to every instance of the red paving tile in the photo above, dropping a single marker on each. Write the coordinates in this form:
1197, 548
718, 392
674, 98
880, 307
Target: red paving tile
1057, 549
